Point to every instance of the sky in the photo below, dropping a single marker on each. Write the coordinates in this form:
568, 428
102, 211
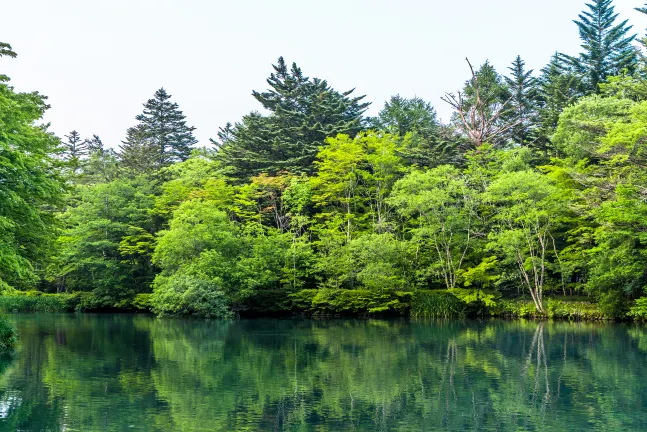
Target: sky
98, 61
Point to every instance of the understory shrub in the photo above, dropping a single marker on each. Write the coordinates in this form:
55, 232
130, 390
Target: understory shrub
188, 295
34, 301
437, 304
342, 301
554, 309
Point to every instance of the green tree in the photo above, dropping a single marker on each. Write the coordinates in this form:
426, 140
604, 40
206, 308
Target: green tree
523, 102
166, 128
30, 185
443, 209
75, 150
607, 45
107, 242
527, 211
426, 142
557, 89
303, 113
139, 153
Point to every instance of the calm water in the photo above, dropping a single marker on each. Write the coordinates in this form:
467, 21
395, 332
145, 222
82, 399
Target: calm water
126, 372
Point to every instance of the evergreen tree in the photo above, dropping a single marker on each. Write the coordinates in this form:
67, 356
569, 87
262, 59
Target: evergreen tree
94, 144
522, 87
607, 46
428, 143
138, 152
166, 128
556, 89
75, 150
303, 113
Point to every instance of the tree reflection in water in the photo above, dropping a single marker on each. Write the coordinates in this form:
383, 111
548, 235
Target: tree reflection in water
84, 372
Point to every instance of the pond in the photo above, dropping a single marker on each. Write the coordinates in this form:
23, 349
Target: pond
135, 372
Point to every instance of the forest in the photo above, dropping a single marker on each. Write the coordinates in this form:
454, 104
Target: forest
534, 192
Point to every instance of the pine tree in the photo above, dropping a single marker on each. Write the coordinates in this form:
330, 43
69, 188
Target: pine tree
607, 46
166, 128
303, 113
522, 87
138, 152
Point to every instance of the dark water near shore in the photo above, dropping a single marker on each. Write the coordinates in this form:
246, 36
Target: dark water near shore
127, 372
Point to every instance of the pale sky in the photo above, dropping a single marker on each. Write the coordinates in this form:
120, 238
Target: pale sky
98, 61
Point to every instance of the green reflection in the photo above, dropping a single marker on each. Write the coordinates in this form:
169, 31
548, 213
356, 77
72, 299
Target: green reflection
127, 372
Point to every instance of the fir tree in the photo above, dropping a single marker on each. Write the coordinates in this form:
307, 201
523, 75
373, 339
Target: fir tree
427, 143
75, 150
607, 46
138, 152
303, 113
166, 128
556, 89
94, 144
522, 87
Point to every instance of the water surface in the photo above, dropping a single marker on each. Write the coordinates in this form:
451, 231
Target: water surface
135, 372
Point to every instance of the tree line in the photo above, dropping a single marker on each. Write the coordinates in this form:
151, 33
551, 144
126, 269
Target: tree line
535, 187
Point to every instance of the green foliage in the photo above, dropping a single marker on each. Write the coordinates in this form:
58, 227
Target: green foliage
555, 309
30, 185
343, 302
35, 301
303, 113
187, 295
8, 336
607, 45
437, 304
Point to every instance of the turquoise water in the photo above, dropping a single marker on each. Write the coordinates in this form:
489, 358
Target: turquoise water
135, 372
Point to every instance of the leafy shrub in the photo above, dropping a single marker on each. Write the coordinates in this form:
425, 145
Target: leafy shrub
31, 302
437, 304
142, 302
341, 301
189, 295
554, 309
639, 310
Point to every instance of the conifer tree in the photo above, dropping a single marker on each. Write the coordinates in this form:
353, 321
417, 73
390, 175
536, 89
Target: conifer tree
428, 143
303, 113
556, 89
607, 46
75, 149
522, 87
138, 152
94, 144
166, 128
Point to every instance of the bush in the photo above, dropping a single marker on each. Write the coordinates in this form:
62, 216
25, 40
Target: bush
32, 302
8, 336
189, 295
437, 304
346, 302
142, 302
554, 309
